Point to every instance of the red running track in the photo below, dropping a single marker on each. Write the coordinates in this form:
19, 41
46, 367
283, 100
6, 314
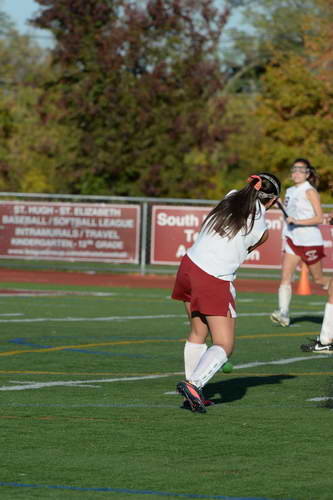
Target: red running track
127, 280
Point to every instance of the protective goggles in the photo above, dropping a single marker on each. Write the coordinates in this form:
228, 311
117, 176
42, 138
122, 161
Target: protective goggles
300, 169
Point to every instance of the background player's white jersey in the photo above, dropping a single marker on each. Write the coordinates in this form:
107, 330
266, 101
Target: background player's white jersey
299, 207
220, 256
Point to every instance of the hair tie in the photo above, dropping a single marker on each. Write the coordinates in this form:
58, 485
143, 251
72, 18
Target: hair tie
258, 184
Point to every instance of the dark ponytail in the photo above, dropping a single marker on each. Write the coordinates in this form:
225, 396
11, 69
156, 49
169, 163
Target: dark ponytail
232, 214
313, 176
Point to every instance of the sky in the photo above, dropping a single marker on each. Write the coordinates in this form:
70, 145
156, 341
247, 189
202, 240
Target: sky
21, 10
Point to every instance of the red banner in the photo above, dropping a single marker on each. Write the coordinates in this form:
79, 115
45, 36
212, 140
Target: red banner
175, 228
70, 231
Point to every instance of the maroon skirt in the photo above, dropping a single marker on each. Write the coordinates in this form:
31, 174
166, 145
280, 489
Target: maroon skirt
207, 295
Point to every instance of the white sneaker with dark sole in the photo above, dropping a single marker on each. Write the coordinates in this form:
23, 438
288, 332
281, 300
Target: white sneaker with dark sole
316, 346
280, 319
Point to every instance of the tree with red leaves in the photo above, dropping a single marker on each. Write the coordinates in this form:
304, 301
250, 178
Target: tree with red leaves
137, 81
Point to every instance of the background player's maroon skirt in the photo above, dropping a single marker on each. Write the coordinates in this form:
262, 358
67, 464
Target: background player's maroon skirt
309, 255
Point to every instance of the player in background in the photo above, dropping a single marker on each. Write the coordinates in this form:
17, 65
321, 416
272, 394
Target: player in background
235, 227
303, 239
324, 343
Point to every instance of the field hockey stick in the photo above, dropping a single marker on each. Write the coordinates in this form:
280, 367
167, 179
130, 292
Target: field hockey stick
281, 207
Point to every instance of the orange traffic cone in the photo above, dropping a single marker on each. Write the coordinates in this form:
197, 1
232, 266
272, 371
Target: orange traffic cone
303, 287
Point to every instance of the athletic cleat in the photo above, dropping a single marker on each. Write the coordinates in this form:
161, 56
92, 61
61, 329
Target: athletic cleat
208, 402
192, 395
280, 319
316, 346
186, 405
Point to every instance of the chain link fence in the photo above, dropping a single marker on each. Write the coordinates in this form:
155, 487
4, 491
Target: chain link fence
112, 233
28, 219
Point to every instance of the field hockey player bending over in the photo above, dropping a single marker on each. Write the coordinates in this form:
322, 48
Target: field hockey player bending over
235, 227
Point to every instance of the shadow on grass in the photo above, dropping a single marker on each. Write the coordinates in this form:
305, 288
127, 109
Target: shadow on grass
307, 318
236, 388
328, 401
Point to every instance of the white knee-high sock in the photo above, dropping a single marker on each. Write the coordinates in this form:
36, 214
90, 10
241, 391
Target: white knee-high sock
192, 355
284, 298
326, 333
209, 364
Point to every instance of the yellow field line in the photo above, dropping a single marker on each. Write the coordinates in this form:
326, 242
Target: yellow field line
82, 346
268, 335
128, 342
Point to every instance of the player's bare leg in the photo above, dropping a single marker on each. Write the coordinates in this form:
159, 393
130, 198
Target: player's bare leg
330, 292
289, 264
195, 346
316, 271
222, 332
199, 328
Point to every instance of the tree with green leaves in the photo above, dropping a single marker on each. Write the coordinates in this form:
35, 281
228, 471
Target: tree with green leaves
136, 80
32, 146
293, 113
265, 26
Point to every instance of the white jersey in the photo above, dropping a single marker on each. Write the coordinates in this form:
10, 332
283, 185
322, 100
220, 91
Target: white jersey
221, 256
299, 206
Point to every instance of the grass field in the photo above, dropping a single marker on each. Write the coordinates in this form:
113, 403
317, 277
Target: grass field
89, 410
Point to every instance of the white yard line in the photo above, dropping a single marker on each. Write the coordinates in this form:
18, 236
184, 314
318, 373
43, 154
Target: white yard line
21, 386
12, 314
286, 361
107, 318
80, 383
26, 292
320, 399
